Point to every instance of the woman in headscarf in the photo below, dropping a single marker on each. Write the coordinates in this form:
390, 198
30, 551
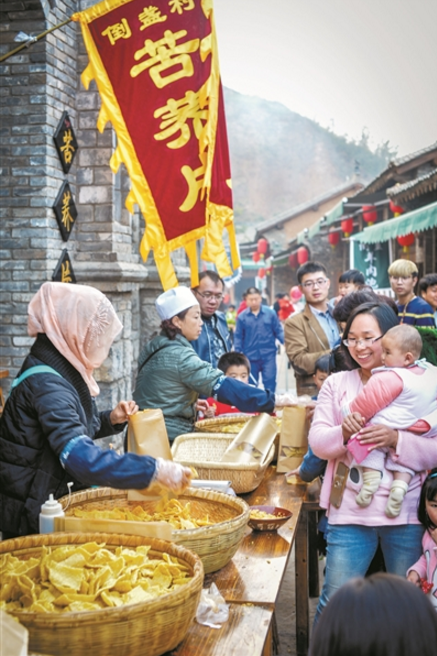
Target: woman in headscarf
171, 376
50, 418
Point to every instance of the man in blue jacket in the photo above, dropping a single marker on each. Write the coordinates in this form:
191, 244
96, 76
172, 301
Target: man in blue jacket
258, 328
215, 338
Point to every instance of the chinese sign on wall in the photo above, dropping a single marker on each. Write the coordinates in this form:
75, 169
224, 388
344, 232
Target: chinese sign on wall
65, 142
156, 68
65, 210
64, 269
373, 260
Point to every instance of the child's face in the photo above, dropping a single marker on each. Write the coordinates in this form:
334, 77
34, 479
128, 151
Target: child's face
345, 288
393, 355
239, 372
319, 378
431, 510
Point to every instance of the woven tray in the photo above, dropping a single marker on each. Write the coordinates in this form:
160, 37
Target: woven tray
227, 424
150, 627
215, 544
204, 452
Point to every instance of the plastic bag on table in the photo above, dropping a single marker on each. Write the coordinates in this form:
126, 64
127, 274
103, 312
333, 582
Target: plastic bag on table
212, 610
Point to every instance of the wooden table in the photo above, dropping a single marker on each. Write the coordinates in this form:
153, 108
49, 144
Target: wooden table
250, 582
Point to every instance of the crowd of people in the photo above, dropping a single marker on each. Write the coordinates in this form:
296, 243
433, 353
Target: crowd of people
373, 434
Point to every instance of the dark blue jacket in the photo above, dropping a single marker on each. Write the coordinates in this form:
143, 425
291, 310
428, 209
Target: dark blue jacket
45, 433
203, 345
256, 335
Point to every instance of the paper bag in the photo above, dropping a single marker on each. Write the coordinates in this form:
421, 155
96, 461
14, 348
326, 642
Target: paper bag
253, 442
147, 434
293, 441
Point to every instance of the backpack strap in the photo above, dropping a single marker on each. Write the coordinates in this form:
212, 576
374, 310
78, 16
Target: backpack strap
37, 369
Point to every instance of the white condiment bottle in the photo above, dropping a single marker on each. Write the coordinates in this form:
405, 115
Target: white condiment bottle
49, 510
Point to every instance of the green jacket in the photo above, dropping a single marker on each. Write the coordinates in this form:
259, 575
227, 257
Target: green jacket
172, 379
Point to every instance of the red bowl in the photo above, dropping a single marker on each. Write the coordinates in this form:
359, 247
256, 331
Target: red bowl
282, 515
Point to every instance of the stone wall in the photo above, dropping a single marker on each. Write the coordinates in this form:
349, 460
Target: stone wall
37, 86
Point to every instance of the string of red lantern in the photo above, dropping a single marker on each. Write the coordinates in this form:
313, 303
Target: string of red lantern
405, 241
347, 226
370, 214
262, 246
333, 238
396, 209
256, 257
302, 255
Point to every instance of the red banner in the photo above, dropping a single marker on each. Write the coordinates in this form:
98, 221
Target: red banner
156, 69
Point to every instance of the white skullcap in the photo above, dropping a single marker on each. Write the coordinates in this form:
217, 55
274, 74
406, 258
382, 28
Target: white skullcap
173, 301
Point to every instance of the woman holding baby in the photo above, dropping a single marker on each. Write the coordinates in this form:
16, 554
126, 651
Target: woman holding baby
354, 529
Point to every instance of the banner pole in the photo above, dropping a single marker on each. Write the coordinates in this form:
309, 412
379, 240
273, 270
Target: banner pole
33, 39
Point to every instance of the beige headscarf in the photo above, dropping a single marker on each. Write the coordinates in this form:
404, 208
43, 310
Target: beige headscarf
79, 321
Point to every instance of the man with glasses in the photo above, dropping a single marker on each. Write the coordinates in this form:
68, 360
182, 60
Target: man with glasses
313, 332
215, 338
412, 309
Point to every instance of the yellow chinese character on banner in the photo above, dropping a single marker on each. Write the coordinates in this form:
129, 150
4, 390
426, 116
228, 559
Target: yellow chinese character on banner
67, 149
150, 16
164, 54
174, 119
181, 5
195, 182
65, 272
67, 219
117, 31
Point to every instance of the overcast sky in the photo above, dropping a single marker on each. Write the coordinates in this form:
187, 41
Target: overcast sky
348, 64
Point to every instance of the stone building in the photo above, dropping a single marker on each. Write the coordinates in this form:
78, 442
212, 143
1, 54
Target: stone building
37, 85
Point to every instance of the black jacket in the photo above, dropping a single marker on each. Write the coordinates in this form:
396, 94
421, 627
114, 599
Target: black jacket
42, 414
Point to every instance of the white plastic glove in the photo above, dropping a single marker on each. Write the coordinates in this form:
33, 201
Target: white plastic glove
172, 475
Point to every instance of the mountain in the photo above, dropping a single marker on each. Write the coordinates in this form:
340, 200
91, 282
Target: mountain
280, 159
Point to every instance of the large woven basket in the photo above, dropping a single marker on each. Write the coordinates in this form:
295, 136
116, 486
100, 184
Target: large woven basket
204, 451
215, 544
225, 424
151, 627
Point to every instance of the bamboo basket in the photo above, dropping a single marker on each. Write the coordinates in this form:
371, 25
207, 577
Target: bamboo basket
227, 424
204, 451
215, 544
151, 627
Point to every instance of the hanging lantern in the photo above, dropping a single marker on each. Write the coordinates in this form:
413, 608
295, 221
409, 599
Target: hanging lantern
292, 260
347, 225
261, 273
302, 255
396, 209
256, 256
295, 294
405, 241
262, 246
369, 214
269, 269
333, 238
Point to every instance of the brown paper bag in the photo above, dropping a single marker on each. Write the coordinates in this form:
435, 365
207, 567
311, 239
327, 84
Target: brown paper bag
293, 441
147, 434
253, 442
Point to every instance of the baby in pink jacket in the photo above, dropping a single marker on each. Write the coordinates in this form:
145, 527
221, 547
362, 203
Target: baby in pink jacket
396, 395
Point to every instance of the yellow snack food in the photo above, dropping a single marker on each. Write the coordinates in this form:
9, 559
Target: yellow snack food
86, 577
262, 514
171, 511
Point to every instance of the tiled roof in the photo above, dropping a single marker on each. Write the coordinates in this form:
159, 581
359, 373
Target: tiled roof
422, 184
278, 219
427, 154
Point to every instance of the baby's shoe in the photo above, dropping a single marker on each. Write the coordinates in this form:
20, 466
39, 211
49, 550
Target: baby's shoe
371, 482
398, 491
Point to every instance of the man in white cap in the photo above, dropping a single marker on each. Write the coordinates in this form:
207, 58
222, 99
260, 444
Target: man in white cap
171, 376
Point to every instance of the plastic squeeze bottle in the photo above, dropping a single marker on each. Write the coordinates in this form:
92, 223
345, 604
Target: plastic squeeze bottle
49, 510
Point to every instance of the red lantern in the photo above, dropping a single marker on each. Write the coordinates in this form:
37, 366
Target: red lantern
333, 238
255, 256
302, 255
369, 214
396, 209
347, 225
292, 260
262, 246
261, 273
405, 241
